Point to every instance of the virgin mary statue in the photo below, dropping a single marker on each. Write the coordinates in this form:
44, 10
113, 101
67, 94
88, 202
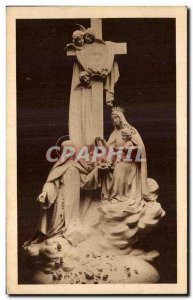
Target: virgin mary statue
127, 180
128, 197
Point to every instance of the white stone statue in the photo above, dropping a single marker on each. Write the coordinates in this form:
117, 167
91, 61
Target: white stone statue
128, 196
96, 208
93, 211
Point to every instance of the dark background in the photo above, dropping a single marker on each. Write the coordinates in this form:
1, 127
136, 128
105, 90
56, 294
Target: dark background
146, 88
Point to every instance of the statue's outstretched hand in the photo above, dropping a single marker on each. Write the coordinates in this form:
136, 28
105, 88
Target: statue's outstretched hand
101, 142
97, 140
104, 142
42, 199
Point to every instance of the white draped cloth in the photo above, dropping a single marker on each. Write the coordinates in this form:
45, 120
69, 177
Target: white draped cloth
86, 103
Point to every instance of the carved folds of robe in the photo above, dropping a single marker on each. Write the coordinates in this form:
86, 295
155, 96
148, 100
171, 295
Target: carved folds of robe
126, 183
86, 103
68, 188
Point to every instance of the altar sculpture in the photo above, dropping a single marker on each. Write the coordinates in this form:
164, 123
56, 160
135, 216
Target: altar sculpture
95, 206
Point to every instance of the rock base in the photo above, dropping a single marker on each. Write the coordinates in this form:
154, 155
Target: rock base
100, 253
88, 264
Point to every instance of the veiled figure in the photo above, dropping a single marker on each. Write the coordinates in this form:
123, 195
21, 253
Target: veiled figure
65, 199
127, 180
128, 197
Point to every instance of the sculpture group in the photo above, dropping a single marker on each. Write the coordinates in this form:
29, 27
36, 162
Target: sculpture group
93, 210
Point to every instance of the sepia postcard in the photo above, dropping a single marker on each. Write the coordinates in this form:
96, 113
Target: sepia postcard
97, 150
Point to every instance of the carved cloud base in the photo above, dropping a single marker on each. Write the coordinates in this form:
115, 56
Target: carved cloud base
86, 264
106, 254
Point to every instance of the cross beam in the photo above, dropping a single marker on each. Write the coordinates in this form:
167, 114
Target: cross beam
96, 24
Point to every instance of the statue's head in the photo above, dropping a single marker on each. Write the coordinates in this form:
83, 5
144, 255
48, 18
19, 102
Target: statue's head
78, 38
116, 120
117, 117
85, 78
89, 36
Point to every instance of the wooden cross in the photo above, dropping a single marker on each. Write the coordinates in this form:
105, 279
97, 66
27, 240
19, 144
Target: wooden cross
97, 88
